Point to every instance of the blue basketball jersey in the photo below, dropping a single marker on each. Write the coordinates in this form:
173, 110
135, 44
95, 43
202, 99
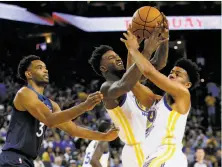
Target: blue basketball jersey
25, 133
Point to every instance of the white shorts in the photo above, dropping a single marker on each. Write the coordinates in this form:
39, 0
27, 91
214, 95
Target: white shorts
133, 156
166, 156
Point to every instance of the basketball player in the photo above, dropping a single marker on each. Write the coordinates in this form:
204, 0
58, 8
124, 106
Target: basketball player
171, 111
33, 112
145, 96
97, 152
120, 102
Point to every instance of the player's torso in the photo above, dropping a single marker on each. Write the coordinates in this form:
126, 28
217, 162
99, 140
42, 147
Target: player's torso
89, 153
167, 126
25, 133
131, 119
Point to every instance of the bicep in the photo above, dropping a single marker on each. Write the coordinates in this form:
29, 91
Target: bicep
112, 90
34, 106
144, 95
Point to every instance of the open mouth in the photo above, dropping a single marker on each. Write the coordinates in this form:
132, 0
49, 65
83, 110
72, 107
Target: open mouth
46, 76
120, 63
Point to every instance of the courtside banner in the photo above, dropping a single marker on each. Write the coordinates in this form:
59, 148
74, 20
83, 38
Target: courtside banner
16, 13
105, 24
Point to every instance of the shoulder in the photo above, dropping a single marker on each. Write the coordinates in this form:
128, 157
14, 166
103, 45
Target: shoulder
105, 86
25, 94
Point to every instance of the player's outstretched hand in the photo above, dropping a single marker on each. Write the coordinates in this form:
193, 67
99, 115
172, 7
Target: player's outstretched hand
92, 100
139, 39
155, 39
112, 134
130, 41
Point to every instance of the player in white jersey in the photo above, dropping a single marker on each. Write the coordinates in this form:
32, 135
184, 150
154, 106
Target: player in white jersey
165, 139
120, 102
97, 152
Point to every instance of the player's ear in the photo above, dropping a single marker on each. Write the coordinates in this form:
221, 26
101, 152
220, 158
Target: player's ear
188, 85
103, 69
28, 74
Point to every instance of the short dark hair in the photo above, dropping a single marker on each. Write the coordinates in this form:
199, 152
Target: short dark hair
24, 64
199, 148
191, 69
96, 57
104, 126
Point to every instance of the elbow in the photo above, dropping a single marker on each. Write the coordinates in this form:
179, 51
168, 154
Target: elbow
49, 123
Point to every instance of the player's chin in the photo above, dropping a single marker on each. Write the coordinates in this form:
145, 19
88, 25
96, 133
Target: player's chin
120, 68
46, 81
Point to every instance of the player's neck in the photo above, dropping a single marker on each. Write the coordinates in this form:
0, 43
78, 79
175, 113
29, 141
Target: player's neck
111, 77
39, 89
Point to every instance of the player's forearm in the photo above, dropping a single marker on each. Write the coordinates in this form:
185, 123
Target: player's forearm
130, 78
89, 134
159, 60
142, 63
129, 61
77, 131
57, 118
133, 74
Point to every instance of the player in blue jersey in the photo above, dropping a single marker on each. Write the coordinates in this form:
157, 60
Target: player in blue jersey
33, 112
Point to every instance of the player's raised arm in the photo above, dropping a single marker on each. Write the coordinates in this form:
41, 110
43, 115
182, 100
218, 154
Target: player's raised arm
113, 90
149, 71
159, 60
132, 75
29, 101
141, 92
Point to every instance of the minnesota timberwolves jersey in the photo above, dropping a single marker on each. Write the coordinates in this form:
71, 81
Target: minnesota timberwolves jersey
25, 133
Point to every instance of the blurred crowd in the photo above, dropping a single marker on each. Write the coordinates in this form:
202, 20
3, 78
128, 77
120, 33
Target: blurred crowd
202, 141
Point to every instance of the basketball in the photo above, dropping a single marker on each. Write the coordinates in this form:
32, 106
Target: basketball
144, 21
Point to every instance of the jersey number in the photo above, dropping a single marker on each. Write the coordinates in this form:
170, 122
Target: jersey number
41, 126
87, 158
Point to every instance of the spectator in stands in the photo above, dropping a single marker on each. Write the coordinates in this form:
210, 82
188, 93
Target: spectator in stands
72, 163
38, 162
210, 102
200, 161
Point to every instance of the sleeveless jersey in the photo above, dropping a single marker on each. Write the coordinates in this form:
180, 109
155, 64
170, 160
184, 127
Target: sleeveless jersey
25, 133
130, 118
168, 126
89, 153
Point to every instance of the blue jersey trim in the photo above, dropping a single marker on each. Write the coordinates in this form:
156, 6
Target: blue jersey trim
166, 104
123, 100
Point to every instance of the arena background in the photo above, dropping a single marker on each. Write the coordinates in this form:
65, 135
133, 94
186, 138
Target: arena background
45, 29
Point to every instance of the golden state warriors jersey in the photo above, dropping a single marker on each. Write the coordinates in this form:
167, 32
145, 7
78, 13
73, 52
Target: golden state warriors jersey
168, 126
130, 118
89, 153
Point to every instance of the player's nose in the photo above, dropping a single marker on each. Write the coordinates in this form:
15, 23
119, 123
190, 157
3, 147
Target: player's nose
172, 76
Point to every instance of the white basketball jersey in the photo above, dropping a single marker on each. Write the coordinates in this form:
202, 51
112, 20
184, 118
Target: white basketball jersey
131, 120
89, 153
168, 126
